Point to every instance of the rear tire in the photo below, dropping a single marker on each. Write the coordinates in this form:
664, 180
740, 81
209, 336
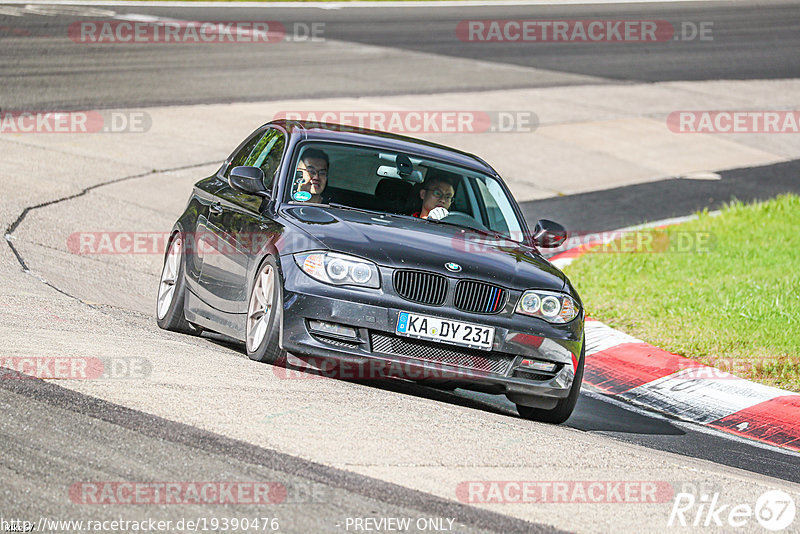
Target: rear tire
564, 407
264, 309
172, 291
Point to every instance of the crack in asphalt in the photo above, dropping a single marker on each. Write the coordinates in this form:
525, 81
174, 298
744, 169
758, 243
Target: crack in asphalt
9, 235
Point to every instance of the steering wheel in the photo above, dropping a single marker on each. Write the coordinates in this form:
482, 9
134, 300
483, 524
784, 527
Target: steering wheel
463, 219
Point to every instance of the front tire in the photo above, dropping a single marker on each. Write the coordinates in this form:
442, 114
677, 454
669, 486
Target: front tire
262, 329
564, 407
172, 291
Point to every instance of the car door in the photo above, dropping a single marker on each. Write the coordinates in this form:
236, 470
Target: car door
238, 229
196, 214
201, 235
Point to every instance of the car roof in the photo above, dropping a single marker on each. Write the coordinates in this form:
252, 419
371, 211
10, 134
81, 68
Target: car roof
318, 131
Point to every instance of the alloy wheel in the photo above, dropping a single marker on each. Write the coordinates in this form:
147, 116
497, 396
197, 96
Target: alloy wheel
169, 277
259, 311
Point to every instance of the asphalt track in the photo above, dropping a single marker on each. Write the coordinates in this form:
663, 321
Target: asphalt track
621, 207
750, 41
104, 440
86, 427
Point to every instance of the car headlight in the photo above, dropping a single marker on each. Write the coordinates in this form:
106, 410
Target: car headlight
338, 269
548, 305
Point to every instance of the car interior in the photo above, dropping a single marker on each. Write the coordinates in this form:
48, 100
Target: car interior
371, 180
387, 182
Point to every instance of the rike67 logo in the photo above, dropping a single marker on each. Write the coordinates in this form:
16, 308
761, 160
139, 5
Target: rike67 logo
774, 510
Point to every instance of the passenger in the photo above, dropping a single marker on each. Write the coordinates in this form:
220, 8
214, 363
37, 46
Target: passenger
314, 166
437, 195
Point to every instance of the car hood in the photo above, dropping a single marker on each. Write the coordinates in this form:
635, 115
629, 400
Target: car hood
402, 242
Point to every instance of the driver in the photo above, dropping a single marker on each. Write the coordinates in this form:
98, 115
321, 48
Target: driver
437, 195
314, 165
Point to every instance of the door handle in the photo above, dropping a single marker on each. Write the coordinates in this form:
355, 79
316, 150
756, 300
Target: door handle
215, 208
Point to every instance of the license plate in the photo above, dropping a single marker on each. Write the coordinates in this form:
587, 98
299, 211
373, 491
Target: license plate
444, 330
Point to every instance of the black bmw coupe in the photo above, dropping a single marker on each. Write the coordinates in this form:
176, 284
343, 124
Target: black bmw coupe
326, 243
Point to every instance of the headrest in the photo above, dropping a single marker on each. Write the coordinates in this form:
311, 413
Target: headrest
392, 188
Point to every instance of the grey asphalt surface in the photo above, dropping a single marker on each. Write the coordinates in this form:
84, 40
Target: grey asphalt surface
595, 413
85, 439
43, 69
620, 207
98, 439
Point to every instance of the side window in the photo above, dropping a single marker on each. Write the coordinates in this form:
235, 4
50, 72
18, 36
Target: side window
267, 154
242, 154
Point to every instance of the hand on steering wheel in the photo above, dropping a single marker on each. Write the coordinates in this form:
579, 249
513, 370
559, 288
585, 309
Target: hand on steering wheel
438, 213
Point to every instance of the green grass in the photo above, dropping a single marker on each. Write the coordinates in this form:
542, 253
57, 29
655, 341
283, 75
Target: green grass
732, 302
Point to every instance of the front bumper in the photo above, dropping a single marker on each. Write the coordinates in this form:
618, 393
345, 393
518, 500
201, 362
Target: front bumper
377, 352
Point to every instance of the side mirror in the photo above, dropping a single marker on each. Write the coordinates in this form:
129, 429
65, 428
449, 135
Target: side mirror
249, 180
549, 234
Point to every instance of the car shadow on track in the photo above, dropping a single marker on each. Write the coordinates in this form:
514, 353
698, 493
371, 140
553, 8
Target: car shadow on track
596, 415
390, 384
591, 414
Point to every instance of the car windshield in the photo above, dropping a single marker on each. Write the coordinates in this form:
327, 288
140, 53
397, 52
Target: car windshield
385, 181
